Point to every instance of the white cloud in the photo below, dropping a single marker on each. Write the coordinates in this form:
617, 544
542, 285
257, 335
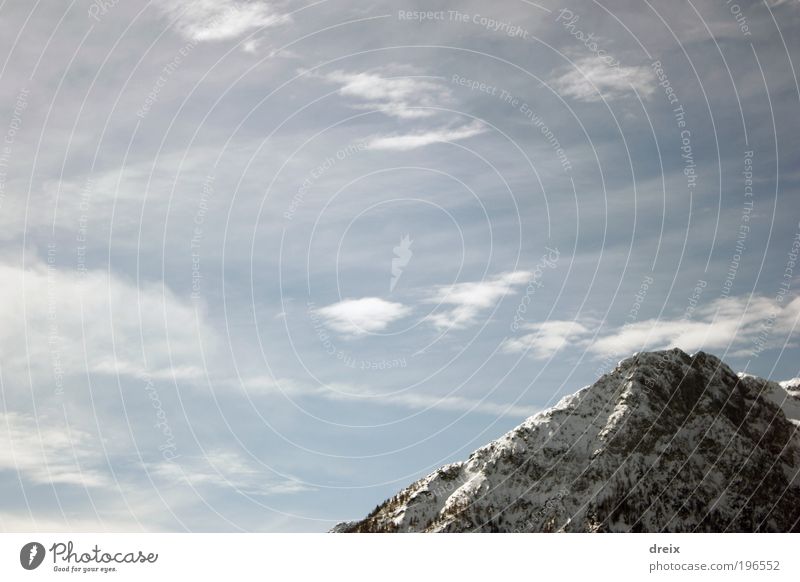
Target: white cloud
57, 322
725, 324
736, 325
250, 46
404, 97
594, 80
546, 338
361, 316
410, 141
209, 20
43, 451
469, 299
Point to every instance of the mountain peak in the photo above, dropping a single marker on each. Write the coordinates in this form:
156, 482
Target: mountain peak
666, 441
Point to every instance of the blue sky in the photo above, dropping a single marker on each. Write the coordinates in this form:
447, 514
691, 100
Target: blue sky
265, 263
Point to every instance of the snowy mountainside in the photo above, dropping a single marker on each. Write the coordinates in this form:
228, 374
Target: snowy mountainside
665, 442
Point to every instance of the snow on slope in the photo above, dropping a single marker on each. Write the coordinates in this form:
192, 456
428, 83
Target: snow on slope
665, 442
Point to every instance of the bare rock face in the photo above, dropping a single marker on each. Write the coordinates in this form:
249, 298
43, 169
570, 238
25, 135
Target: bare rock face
667, 442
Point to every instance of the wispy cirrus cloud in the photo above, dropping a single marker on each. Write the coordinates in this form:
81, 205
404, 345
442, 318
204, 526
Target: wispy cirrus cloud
44, 451
410, 141
225, 469
453, 403
357, 317
467, 300
593, 80
212, 20
404, 97
412, 400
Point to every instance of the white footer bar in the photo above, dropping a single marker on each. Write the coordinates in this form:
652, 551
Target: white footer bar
356, 557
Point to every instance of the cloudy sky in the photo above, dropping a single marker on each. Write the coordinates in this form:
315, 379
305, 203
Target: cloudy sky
264, 263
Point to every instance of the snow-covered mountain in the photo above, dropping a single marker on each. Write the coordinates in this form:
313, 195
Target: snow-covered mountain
665, 442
